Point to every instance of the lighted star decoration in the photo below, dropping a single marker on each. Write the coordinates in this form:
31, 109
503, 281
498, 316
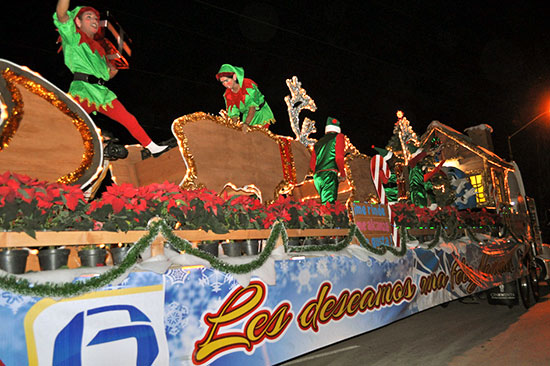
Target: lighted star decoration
296, 102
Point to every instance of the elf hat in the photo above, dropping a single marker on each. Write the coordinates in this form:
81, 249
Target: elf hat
386, 154
333, 125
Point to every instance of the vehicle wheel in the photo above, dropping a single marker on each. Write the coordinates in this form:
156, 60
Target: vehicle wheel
541, 269
534, 281
523, 291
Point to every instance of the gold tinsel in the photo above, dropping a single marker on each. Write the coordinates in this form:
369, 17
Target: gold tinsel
12, 123
189, 181
287, 159
14, 118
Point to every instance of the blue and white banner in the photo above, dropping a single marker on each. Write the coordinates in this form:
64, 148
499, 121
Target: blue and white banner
201, 316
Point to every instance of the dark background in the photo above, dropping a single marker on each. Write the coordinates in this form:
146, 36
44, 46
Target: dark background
462, 63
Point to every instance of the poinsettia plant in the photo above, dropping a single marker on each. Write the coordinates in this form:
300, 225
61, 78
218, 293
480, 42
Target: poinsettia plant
481, 217
403, 214
408, 215
124, 207
309, 214
243, 212
29, 205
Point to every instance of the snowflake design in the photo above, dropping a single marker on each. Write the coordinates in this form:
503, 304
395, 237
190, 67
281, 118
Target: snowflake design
353, 268
177, 275
215, 279
322, 267
284, 266
335, 270
369, 262
343, 266
230, 280
124, 282
13, 301
175, 318
304, 277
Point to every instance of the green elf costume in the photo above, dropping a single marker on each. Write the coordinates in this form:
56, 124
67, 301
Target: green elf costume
327, 161
87, 60
248, 96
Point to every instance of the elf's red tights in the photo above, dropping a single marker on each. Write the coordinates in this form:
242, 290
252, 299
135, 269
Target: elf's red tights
122, 116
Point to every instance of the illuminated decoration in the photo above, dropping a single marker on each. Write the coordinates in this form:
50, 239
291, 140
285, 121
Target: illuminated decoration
189, 181
477, 183
284, 188
349, 148
478, 150
452, 163
491, 181
296, 102
403, 193
500, 184
12, 122
248, 189
406, 135
3, 113
287, 160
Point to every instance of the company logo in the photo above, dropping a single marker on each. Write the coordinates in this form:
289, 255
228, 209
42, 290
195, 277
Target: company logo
119, 327
68, 343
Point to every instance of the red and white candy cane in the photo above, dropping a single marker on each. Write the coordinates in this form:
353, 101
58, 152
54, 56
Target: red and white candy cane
380, 175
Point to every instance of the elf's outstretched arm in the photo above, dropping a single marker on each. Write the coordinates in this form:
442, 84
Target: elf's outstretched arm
61, 10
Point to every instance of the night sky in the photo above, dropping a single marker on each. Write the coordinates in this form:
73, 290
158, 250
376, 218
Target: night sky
462, 63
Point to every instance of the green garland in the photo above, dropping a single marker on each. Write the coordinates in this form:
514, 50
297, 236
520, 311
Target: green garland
382, 249
24, 287
406, 237
215, 262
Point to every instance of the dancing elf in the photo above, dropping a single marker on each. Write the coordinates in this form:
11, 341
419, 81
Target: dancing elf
86, 58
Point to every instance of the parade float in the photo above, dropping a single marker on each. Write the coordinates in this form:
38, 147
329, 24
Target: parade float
228, 257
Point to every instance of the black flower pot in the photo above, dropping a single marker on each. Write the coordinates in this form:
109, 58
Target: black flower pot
295, 242
250, 246
211, 248
53, 258
92, 257
311, 241
13, 260
118, 254
232, 249
328, 240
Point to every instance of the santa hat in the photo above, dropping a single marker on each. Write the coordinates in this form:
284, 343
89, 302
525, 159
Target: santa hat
333, 125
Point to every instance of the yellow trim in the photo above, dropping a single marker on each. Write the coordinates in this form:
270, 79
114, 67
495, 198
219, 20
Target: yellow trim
43, 304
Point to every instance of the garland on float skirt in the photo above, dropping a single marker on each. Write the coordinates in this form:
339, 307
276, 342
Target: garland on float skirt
23, 286
455, 233
354, 232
